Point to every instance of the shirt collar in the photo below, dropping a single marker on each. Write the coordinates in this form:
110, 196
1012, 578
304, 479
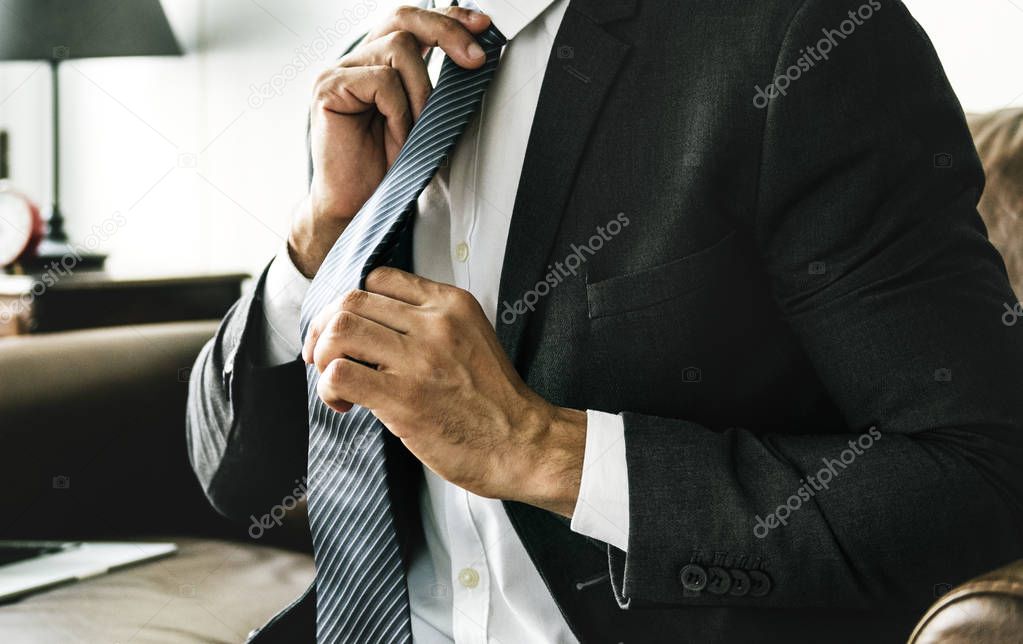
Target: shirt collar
512, 16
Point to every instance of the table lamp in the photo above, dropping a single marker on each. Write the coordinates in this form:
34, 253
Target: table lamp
58, 30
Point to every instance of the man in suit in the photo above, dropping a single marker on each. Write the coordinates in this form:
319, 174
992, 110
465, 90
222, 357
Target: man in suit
696, 337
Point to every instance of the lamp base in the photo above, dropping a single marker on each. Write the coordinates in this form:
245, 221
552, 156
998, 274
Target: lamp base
61, 257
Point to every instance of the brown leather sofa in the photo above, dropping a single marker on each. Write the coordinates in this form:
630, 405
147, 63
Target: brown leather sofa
987, 610
92, 446
92, 431
999, 139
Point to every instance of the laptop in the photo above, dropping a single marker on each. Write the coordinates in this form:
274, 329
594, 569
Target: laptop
31, 566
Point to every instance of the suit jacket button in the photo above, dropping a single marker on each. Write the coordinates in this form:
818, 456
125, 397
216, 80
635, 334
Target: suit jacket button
718, 580
759, 583
693, 577
740, 583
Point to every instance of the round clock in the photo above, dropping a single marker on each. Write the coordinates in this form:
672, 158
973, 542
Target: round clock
21, 227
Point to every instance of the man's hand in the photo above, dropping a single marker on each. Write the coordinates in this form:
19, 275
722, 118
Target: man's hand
445, 387
363, 108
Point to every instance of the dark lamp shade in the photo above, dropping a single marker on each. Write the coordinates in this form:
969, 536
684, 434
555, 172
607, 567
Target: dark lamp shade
61, 29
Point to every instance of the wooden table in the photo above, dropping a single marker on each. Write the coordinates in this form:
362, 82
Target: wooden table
51, 302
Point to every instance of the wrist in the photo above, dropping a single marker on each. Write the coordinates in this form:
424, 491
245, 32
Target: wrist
554, 470
311, 237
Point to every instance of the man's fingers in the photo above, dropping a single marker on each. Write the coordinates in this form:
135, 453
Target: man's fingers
349, 335
381, 309
451, 29
402, 51
344, 382
359, 89
390, 313
399, 285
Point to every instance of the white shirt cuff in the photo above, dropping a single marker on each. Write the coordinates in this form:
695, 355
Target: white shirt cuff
283, 292
602, 509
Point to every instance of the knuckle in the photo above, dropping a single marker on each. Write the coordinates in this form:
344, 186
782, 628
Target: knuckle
342, 323
329, 385
390, 76
324, 84
403, 40
353, 300
381, 276
445, 325
405, 11
382, 72
462, 300
450, 28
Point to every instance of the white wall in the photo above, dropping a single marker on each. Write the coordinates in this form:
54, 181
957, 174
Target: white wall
133, 127
205, 171
980, 42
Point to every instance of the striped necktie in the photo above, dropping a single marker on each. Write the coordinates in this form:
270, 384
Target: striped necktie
361, 591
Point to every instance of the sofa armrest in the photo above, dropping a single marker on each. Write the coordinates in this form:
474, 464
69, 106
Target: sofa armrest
986, 609
92, 424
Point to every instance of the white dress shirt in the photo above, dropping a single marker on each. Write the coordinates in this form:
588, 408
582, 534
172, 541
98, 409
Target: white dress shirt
473, 580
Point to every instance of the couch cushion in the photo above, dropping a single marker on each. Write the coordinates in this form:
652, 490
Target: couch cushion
211, 591
87, 417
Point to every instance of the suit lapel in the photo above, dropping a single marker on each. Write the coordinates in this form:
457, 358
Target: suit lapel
584, 61
573, 91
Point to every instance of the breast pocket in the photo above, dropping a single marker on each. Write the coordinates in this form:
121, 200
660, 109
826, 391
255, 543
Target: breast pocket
661, 283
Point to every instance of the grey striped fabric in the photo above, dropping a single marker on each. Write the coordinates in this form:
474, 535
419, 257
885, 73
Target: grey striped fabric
360, 580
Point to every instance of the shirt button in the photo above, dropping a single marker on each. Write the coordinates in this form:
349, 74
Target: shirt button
462, 251
468, 577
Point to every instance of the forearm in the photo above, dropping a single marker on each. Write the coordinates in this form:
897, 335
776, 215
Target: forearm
867, 519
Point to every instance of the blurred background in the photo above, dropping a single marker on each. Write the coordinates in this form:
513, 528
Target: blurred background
205, 152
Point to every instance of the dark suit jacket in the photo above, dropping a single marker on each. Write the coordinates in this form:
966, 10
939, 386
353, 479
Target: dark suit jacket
790, 277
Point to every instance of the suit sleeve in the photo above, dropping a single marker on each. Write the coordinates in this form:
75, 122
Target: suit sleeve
247, 425
868, 172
